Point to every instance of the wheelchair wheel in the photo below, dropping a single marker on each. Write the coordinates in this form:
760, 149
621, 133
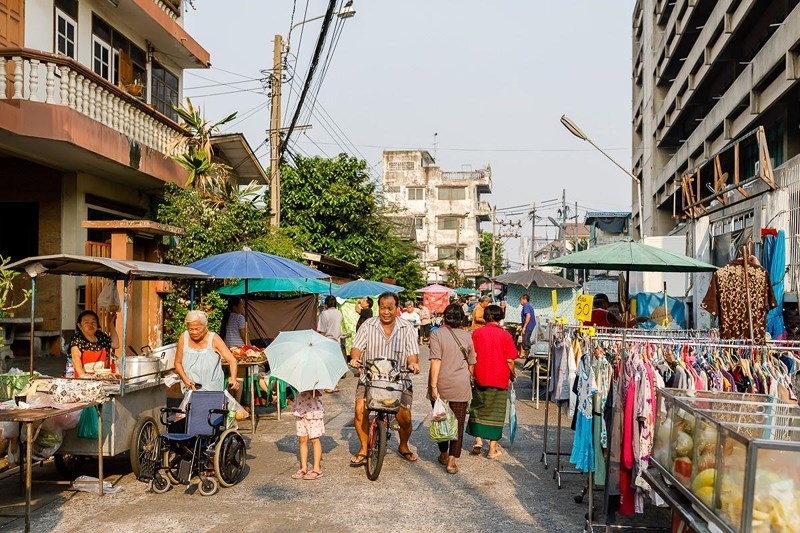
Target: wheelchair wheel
160, 483
208, 486
171, 463
144, 442
230, 457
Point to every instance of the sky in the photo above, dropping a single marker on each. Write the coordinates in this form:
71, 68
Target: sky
488, 81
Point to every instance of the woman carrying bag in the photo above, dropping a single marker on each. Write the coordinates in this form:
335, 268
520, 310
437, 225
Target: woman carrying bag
452, 359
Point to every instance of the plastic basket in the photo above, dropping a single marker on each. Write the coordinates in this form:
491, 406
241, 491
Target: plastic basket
11, 384
384, 395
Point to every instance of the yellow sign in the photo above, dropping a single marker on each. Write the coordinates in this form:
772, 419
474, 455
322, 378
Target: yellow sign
555, 302
583, 307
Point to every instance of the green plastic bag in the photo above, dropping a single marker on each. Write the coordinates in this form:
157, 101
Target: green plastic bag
447, 429
88, 424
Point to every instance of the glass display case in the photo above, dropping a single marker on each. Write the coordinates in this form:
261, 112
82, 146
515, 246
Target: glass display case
735, 456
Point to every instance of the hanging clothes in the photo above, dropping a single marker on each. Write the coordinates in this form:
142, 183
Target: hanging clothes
583, 452
727, 298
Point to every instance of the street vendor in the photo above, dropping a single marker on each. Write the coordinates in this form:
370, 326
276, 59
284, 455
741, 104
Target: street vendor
199, 354
91, 348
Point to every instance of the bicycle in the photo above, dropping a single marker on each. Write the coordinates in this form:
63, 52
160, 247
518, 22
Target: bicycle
384, 391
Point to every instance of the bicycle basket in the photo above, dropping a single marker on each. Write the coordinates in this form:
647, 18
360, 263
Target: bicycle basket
384, 394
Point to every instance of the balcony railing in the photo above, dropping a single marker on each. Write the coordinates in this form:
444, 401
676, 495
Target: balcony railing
471, 175
57, 80
170, 7
484, 208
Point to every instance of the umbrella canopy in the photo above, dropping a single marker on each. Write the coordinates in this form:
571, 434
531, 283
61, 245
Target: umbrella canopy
536, 277
361, 288
464, 291
306, 360
248, 264
631, 256
309, 286
435, 288
485, 286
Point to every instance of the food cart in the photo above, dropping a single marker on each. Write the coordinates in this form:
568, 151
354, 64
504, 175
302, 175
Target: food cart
136, 398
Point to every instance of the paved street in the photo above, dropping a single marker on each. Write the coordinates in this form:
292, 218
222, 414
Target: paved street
511, 493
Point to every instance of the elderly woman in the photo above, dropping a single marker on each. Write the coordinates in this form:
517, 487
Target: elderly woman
198, 359
496, 353
91, 348
452, 359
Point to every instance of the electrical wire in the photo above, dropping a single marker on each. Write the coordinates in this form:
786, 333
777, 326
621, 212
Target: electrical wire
523, 150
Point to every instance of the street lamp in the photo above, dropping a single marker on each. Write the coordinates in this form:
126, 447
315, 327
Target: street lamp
347, 11
577, 132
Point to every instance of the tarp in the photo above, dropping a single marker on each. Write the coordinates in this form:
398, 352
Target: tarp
774, 260
270, 317
651, 304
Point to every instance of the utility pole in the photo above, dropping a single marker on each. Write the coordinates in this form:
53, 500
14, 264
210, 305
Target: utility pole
533, 235
458, 241
564, 222
494, 220
275, 134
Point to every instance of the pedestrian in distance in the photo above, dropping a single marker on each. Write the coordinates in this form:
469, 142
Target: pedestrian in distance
232, 328
363, 310
426, 320
452, 360
495, 352
330, 325
310, 424
478, 318
528, 323
386, 336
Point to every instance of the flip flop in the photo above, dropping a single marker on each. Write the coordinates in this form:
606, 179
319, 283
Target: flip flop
299, 474
358, 460
476, 450
312, 474
408, 456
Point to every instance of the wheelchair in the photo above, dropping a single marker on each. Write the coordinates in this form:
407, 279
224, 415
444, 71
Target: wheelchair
204, 449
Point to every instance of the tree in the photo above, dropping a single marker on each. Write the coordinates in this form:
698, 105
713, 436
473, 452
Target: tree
486, 254
455, 278
330, 206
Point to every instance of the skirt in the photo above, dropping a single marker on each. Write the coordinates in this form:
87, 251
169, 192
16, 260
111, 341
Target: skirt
487, 413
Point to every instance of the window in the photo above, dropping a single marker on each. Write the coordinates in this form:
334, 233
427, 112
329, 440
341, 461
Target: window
416, 193
101, 59
165, 91
66, 27
419, 223
114, 57
448, 222
452, 193
449, 253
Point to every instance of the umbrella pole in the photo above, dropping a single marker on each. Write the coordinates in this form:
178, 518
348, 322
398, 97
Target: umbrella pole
33, 318
246, 314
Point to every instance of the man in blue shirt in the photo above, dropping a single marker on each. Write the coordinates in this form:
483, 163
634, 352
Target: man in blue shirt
528, 322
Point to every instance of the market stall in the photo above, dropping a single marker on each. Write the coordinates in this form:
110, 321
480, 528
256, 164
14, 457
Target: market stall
136, 393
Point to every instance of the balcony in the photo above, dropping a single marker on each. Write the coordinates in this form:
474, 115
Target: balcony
482, 179
57, 110
483, 211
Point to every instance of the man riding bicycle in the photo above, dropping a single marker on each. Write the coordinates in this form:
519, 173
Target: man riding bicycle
385, 337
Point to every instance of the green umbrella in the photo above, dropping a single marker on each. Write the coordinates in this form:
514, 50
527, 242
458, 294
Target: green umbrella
631, 256
305, 285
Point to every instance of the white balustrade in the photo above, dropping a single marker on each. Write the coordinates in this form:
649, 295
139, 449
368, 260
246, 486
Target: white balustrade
40, 80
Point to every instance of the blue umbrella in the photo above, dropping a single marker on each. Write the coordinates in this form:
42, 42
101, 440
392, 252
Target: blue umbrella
362, 288
774, 260
248, 264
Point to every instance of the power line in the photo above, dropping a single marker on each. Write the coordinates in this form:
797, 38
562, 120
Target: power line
530, 150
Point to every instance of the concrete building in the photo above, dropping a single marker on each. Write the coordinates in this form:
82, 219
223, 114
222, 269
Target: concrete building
443, 209
86, 130
715, 92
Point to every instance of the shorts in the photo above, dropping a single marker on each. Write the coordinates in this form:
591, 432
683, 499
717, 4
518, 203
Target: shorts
313, 428
405, 400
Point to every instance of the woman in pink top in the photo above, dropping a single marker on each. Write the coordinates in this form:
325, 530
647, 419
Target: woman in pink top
496, 352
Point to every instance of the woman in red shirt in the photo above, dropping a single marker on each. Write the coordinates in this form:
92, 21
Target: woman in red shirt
496, 352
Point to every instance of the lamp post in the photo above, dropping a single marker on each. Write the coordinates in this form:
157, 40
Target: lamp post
577, 132
346, 12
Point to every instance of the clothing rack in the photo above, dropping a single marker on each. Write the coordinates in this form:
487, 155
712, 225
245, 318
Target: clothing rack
557, 471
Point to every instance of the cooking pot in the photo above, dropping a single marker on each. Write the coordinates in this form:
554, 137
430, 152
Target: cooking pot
141, 368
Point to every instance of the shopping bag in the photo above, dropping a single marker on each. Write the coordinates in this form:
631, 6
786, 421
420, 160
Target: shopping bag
445, 430
108, 298
439, 410
88, 424
512, 413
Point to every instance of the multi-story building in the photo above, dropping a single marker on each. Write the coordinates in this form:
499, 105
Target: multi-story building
86, 128
715, 91
444, 209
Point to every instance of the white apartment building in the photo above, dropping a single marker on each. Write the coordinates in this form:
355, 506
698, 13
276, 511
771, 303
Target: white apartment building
442, 209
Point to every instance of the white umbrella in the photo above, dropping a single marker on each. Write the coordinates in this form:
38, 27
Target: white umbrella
306, 360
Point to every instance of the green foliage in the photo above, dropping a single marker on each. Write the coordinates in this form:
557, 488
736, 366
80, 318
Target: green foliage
329, 206
486, 254
454, 278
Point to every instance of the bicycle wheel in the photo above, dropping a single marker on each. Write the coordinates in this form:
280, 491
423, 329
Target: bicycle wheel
376, 446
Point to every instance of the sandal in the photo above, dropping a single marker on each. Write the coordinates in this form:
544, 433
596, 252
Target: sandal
299, 474
494, 455
476, 449
357, 460
408, 456
313, 474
